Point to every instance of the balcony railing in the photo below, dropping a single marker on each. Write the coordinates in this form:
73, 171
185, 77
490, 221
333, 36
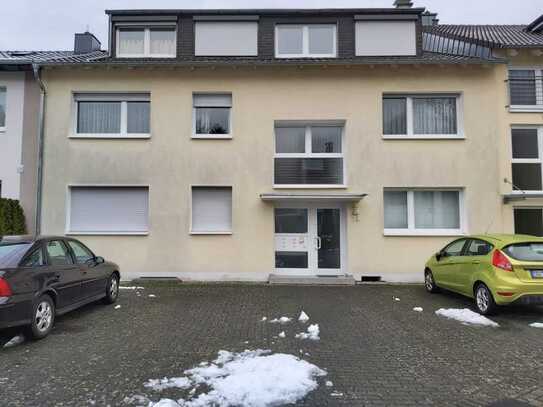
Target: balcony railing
526, 90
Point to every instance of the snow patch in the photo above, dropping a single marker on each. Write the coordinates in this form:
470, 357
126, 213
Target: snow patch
264, 319
152, 296
117, 306
16, 340
418, 309
312, 333
282, 334
132, 287
251, 378
161, 384
329, 384
282, 320
303, 317
466, 316
537, 325
396, 299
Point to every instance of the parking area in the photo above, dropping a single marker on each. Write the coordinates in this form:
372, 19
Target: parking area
374, 347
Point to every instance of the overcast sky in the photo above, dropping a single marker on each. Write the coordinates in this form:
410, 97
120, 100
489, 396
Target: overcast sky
50, 24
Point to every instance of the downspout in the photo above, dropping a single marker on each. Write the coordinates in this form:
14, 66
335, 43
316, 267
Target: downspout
41, 133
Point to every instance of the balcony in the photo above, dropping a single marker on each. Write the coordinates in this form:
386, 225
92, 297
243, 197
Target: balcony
526, 90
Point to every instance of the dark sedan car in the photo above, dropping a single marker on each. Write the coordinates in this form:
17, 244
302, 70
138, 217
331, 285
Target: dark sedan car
42, 277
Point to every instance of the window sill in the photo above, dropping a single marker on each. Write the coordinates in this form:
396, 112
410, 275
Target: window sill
196, 233
423, 233
526, 109
72, 233
110, 136
211, 136
424, 137
304, 186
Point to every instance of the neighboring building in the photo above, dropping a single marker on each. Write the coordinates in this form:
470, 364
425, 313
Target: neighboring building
522, 46
239, 144
20, 108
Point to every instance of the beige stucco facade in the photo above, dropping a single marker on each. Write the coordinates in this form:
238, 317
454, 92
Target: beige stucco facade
170, 161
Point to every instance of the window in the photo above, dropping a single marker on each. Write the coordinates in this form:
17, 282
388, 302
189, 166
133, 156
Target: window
57, 253
526, 89
421, 211
478, 247
383, 38
308, 155
211, 210
111, 115
232, 38
291, 221
108, 210
34, 259
526, 162
302, 41
455, 248
529, 221
81, 253
3, 98
211, 115
422, 116
138, 42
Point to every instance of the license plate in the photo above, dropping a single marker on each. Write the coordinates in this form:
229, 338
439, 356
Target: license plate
537, 273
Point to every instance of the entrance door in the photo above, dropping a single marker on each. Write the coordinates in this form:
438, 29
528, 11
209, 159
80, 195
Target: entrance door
309, 240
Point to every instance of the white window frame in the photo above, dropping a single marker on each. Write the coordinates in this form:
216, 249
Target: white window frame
123, 98
411, 230
305, 41
146, 40
538, 107
226, 136
68, 230
309, 154
5, 88
410, 118
538, 160
211, 232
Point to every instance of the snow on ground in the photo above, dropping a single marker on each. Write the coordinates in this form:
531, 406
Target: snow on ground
418, 309
396, 298
282, 320
312, 333
127, 287
251, 378
329, 384
264, 319
152, 296
537, 325
303, 317
117, 306
161, 384
466, 316
16, 340
282, 334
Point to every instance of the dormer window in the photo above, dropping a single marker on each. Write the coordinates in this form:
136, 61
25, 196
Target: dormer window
146, 42
305, 41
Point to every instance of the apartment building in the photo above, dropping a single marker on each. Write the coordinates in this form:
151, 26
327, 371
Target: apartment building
273, 144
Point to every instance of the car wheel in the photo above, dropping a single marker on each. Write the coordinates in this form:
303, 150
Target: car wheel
112, 289
430, 283
43, 317
484, 301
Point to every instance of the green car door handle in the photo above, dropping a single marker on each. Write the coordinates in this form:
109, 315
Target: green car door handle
475, 262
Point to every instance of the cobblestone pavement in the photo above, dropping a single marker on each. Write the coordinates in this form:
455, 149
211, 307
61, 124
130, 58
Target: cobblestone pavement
377, 351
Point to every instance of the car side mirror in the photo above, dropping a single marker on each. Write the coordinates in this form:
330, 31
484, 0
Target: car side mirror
99, 260
95, 261
439, 255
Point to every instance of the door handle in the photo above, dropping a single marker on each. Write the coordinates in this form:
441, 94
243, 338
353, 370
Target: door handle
319, 242
475, 262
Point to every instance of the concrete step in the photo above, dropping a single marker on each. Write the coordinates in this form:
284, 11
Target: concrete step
277, 279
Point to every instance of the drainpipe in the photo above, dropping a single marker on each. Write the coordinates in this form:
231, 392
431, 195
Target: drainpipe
41, 133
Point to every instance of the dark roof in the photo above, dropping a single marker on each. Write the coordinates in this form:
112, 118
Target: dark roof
269, 11
425, 58
30, 57
494, 36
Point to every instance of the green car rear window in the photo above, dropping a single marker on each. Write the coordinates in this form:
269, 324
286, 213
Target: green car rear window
525, 251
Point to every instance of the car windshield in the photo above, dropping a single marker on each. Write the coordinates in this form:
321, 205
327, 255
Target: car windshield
11, 253
525, 251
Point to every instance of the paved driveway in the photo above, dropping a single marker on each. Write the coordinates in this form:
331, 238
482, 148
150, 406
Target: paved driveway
377, 351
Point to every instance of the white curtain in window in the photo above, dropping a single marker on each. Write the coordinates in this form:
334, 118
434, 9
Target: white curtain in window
131, 41
434, 115
138, 117
437, 210
289, 140
99, 117
162, 42
395, 209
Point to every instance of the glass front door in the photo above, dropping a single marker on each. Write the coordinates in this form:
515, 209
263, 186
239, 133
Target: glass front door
308, 241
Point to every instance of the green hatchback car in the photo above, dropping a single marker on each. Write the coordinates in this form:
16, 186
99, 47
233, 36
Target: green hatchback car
493, 269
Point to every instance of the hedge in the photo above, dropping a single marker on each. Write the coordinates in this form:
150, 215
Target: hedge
12, 217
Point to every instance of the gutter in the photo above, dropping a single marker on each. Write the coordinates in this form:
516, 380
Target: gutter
41, 134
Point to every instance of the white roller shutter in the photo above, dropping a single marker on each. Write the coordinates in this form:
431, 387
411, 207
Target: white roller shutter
233, 38
109, 209
212, 100
211, 209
